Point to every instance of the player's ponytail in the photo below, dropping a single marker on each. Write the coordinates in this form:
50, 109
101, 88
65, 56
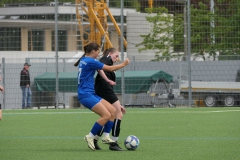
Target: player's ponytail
77, 63
105, 53
88, 49
85, 49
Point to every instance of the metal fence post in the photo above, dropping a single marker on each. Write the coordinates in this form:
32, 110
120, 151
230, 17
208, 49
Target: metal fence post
133, 63
122, 53
3, 80
64, 65
189, 56
56, 49
27, 60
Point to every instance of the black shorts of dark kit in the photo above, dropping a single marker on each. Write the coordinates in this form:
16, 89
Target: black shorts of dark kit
105, 91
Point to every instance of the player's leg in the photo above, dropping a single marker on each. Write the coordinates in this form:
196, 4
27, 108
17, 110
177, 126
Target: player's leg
105, 131
93, 103
29, 97
108, 126
117, 121
0, 112
96, 138
24, 96
116, 126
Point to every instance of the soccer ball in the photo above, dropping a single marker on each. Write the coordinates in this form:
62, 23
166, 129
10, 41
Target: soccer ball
131, 142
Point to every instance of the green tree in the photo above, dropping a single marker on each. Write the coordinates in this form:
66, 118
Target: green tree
126, 3
162, 36
202, 38
227, 28
212, 34
216, 35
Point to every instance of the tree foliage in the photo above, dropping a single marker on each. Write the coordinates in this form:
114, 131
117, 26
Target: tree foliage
212, 34
161, 37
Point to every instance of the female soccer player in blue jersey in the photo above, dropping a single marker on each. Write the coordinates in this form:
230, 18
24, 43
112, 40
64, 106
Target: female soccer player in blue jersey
87, 66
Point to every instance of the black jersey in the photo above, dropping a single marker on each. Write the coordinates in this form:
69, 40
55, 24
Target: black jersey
103, 88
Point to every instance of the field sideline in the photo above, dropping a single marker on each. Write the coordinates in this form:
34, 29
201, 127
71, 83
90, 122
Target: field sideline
164, 133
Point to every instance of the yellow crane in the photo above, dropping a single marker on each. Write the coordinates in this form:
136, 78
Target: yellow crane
92, 18
150, 3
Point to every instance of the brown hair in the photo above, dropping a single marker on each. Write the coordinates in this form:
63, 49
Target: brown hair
88, 49
107, 51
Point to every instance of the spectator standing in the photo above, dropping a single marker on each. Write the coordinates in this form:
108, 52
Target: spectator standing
25, 86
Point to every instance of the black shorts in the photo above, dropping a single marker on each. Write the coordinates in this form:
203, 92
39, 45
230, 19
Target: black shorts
106, 91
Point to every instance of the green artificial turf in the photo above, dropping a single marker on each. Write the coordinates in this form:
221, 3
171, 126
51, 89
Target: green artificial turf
164, 133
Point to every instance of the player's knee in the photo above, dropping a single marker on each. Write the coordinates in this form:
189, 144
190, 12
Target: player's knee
113, 112
119, 115
107, 116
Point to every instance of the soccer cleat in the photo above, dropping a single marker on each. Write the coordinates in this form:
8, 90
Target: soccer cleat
96, 145
115, 147
107, 140
90, 142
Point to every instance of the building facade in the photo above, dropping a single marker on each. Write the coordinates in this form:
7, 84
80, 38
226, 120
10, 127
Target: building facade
31, 27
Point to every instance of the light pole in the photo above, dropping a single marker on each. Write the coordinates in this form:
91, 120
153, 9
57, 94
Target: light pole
122, 52
185, 27
189, 55
56, 49
187, 45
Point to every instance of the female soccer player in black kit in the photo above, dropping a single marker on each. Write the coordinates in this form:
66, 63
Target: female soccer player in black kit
105, 90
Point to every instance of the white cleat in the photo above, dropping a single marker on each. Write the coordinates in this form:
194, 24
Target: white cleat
107, 140
90, 142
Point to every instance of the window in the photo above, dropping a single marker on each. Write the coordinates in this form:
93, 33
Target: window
10, 39
36, 40
62, 40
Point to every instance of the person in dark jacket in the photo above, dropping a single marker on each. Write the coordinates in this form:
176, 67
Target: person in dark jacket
25, 86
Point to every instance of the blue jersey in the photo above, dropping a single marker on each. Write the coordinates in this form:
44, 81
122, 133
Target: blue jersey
86, 71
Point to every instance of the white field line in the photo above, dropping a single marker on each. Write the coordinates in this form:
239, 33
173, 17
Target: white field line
130, 112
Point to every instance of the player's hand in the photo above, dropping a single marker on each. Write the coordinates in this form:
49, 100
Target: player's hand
27, 85
1, 89
112, 83
126, 62
123, 110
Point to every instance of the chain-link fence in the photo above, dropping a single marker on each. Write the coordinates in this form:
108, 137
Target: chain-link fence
156, 43
147, 87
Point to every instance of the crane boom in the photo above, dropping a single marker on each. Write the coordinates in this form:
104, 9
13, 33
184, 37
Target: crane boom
92, 22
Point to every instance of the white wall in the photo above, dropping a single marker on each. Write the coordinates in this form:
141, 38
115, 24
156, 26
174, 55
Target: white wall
138, 25
20, 56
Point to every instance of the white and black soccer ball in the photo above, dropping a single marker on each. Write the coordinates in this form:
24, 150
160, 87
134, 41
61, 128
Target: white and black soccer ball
131, 142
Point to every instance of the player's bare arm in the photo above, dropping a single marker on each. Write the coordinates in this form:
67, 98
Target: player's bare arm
103, 75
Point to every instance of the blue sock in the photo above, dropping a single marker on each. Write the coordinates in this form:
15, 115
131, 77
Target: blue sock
96, 128
108, 127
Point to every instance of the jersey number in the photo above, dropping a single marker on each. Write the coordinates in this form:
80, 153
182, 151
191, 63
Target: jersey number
79, 74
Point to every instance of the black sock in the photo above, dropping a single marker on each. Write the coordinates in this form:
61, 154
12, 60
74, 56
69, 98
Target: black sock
116, 128
100, 132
